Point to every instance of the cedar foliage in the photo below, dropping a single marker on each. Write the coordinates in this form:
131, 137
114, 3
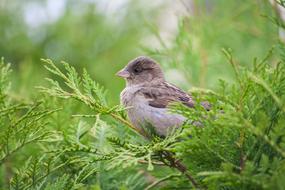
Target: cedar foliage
240, 146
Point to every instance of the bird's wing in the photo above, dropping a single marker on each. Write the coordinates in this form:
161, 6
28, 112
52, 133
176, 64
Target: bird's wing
159, 96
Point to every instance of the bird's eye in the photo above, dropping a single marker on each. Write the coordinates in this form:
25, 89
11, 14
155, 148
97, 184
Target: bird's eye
137, 70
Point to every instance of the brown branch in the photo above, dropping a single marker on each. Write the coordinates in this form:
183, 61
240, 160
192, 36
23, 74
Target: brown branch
180, 167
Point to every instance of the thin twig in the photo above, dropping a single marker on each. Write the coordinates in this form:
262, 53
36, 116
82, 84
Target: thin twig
179, 166
234, 65
154, 163
128, 124
240, 146
161, 180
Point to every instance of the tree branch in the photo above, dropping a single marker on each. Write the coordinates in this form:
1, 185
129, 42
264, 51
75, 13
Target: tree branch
180, 167
161, 180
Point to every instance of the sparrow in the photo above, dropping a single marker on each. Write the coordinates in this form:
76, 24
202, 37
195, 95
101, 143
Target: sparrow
147, 96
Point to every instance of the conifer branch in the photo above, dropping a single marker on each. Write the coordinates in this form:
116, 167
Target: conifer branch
92, 94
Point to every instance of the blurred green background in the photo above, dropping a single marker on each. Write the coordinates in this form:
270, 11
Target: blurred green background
186, 37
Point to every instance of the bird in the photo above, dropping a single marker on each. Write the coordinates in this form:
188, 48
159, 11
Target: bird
147, 96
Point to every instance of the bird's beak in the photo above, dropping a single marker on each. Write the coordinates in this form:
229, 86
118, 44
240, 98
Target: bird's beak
123, 73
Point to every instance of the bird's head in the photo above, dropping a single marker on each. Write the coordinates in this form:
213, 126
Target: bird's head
141, 70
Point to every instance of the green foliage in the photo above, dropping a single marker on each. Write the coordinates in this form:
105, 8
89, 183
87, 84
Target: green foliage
70, 135
250, 130
238, 147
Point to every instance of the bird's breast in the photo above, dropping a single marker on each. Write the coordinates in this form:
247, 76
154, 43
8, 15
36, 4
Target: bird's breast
128, 96
140, 112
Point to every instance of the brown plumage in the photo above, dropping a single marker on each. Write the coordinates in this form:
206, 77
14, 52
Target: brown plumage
147, 96
162, 94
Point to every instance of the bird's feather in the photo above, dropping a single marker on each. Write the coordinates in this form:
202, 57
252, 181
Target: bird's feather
161, 95
148, 95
